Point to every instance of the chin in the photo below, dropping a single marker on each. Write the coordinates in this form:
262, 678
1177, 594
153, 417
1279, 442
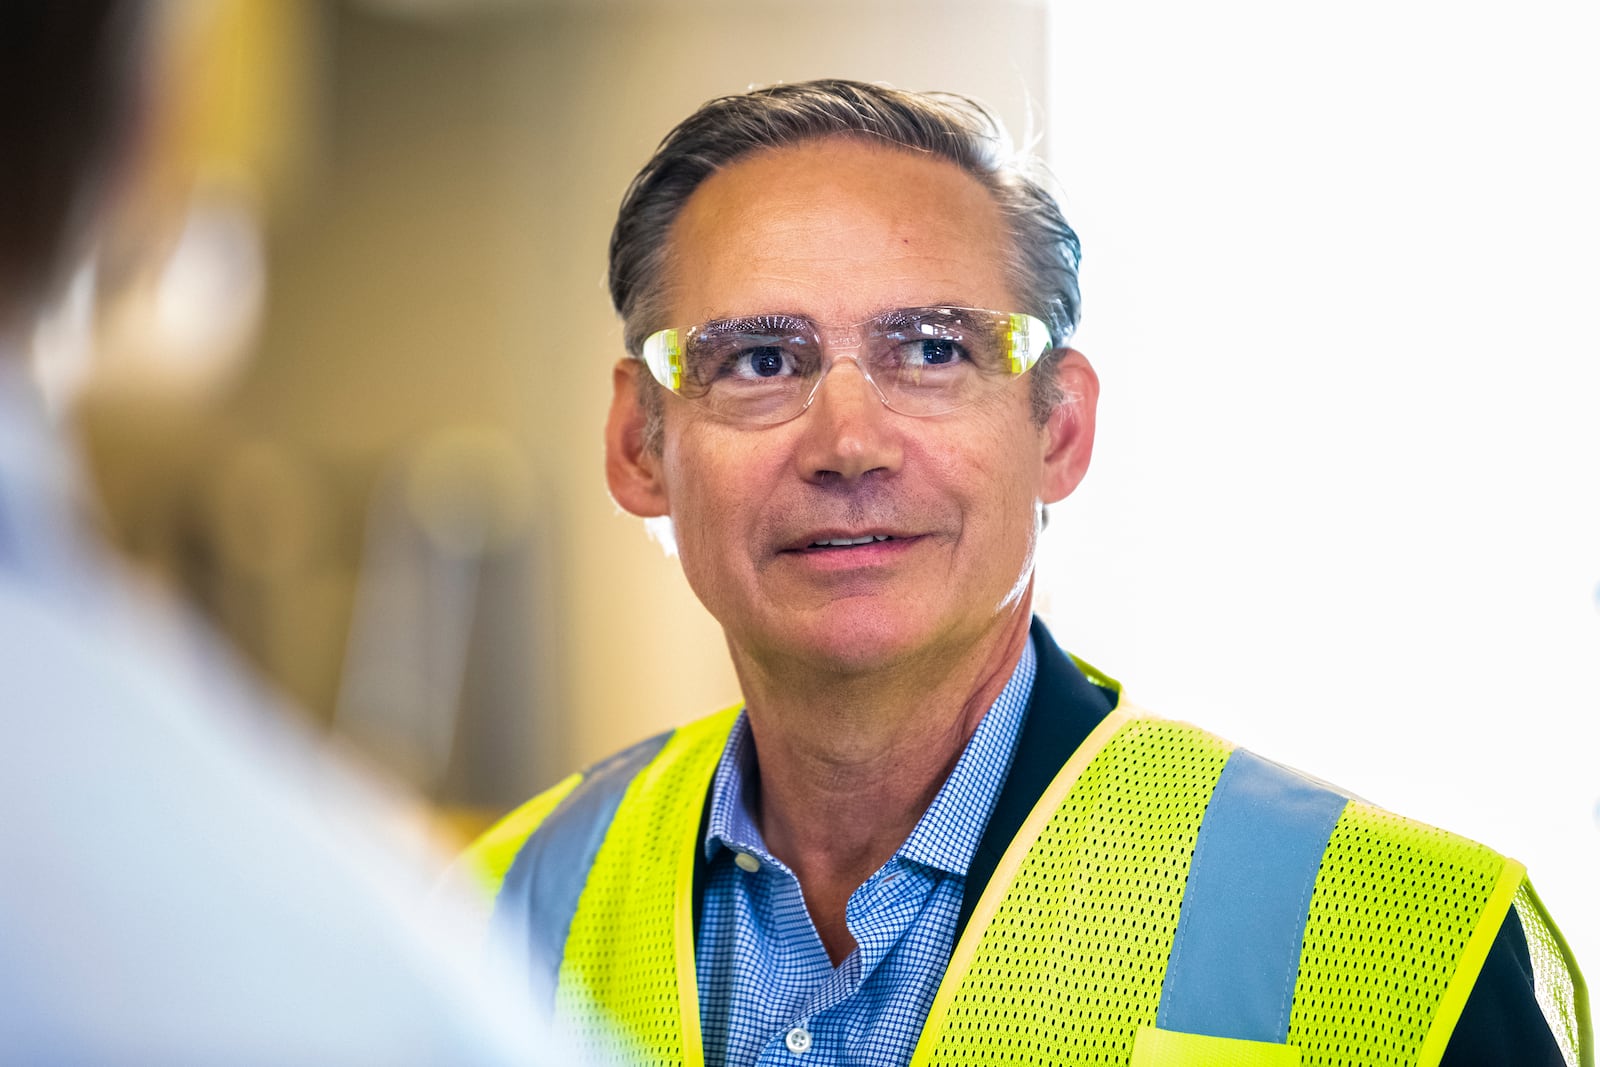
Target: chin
859, 639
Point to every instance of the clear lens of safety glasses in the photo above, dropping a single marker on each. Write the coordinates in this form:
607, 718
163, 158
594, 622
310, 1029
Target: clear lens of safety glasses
765, 369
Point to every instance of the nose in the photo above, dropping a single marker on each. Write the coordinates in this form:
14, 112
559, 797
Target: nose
848, 432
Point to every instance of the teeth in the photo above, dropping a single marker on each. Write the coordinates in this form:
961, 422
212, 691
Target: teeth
844, 542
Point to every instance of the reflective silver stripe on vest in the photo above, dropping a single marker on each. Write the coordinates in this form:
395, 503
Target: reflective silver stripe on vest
1236, 952
540, 893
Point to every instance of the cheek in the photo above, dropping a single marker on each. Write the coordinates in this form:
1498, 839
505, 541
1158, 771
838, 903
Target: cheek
706, 560
712, 484
686, 501
998, 458
1001, 470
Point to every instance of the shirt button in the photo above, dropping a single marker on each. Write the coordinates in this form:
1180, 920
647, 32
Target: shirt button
798, 1040
747, 863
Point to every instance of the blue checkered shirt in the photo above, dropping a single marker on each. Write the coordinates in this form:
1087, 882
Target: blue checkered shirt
768, 992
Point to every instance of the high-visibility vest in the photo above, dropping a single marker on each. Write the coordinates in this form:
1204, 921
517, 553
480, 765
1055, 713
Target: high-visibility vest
1170, 900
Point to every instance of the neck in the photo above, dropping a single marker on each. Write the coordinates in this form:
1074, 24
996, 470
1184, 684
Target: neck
848, 765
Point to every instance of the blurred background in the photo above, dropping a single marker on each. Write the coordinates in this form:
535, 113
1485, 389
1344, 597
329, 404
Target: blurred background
343, 373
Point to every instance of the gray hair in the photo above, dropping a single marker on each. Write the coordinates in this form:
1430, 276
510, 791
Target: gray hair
1044, 268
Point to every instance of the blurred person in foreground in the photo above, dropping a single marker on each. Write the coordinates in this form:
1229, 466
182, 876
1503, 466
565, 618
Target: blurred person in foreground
183, 879
928, 834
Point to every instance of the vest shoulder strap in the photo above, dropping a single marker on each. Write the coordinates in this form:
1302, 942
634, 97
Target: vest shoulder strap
1245, 903
613, 945
626, 986
486, 861
539, 895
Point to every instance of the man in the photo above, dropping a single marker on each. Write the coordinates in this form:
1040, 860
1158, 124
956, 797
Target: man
182, 879
928, 835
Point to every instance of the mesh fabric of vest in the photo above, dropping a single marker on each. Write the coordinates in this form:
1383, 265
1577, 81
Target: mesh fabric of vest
1392, 909
1558, 984
1071, 964
626, 988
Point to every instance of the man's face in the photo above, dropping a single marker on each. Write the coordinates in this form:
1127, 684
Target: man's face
839, 231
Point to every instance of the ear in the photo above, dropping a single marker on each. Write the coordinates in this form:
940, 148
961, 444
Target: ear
1069, 434
633, 472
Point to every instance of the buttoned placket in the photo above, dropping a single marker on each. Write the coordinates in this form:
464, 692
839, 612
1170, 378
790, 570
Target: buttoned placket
878, 915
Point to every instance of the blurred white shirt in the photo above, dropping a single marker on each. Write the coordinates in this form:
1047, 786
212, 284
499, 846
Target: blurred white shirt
184, 876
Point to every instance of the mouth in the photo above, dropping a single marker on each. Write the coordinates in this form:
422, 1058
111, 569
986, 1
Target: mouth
825, 542
847, 542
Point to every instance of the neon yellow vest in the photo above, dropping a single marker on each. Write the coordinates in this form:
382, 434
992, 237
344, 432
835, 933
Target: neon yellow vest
1065, 956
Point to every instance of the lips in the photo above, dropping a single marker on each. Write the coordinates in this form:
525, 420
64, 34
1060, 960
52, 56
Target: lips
849, 542
844, 539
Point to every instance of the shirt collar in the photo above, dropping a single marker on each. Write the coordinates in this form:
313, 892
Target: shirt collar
947, 835
729, 823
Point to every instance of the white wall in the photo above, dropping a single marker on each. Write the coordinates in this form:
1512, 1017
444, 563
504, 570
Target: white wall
1340, 283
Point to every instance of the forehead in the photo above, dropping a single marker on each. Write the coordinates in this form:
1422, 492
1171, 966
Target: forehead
839, 230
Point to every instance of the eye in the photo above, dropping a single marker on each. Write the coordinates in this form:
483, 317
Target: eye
725, 357
763, 361
916, 355
937, 352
